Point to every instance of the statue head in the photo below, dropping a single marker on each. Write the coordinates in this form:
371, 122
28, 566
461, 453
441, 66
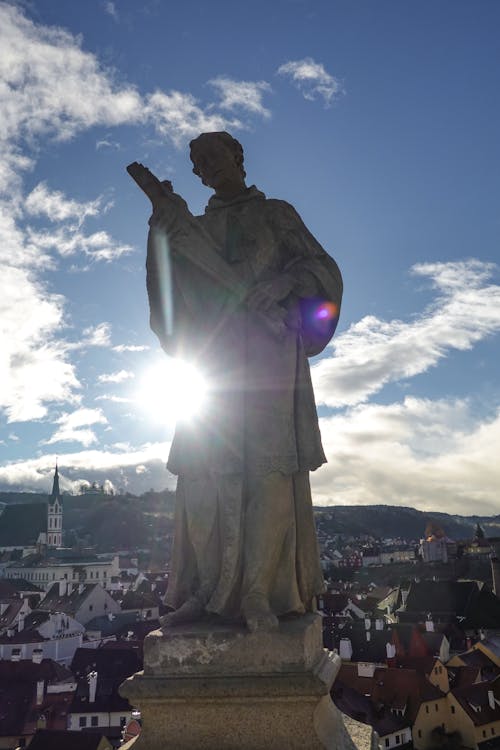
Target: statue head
218, 161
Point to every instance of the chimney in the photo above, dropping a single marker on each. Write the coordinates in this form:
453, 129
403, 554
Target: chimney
37, 655
429, 626
20, 623
40, 689
92, 680
62, 588
4, 606
81, 587
16, 654
491, 699
404, 596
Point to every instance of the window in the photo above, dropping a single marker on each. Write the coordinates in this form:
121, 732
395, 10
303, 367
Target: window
387, 741
94, 721
436, 707
91, 607
492, 730
419, 733
484, 732
398, 739
82, 721
453, 709
427, 709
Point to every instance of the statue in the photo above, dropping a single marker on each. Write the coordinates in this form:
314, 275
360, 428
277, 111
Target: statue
246, 294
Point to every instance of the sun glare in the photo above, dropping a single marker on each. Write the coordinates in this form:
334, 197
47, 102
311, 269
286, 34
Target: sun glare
172, 390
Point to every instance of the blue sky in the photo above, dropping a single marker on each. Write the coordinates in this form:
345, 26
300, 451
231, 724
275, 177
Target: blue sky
377, 121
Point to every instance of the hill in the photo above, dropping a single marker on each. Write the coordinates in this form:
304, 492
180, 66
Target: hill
389, 521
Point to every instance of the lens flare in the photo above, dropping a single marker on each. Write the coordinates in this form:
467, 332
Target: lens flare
326, 311
172, 391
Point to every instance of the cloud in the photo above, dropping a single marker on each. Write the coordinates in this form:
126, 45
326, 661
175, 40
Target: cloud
312, 79
115, 399
54, 205
130, 348
245, 95
116, 377
98, 246
110, 9
34, 370
106, 143
52, 89
423, 453
99, 335
117, 465
75, 427
374, 352
179, 116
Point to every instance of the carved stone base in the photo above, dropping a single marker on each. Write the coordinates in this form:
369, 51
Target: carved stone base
222, 688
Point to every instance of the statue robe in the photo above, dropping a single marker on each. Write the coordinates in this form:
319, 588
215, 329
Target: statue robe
261, 415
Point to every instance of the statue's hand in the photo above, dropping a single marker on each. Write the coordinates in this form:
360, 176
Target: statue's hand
266, 293
167, 207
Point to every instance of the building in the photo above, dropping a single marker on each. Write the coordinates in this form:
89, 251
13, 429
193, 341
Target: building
82, 602
97, 704
54, 635
66, 566
55, 514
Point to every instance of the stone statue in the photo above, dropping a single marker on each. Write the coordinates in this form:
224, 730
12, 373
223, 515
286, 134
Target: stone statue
246, 294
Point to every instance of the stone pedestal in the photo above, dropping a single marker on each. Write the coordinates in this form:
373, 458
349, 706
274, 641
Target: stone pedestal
221, 688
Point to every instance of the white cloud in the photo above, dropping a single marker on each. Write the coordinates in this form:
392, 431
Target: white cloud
106, 143
54, 205
116, 377
130, 348
99, 335
245, 95
422, 453
117, 466
33, 365
98, 246
373, 352
110, 9
59, 88
311, 78
75, 427
52, 89
115, 399
179, 116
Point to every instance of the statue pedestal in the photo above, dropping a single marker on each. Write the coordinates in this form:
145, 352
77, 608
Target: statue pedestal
216, 687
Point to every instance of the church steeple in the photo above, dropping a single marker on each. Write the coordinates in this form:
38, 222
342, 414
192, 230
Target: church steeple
54, 514
55, 486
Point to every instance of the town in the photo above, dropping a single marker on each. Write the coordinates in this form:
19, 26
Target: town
416, 622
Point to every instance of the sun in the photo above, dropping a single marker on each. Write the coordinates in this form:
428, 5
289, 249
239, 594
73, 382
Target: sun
172, 390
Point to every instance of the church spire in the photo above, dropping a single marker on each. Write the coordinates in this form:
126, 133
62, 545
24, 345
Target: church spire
55, 486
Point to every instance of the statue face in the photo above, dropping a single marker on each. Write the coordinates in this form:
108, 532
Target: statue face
217, 165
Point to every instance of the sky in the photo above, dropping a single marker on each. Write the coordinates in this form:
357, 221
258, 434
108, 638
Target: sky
377, 121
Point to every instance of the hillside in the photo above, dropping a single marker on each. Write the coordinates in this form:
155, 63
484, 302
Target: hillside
388, 521
127, 519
